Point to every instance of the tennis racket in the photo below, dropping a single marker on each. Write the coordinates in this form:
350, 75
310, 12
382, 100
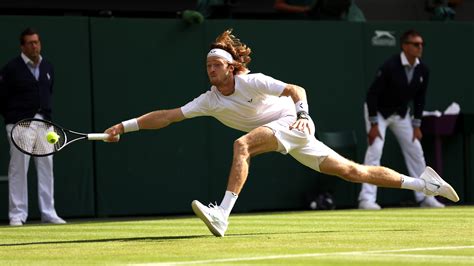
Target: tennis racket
30, 137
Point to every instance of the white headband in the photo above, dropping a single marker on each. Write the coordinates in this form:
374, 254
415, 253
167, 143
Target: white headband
221, 53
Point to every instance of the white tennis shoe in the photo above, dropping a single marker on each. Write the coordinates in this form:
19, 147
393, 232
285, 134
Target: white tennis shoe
212, 216
435, 185
369, 205
55, 220
16, 222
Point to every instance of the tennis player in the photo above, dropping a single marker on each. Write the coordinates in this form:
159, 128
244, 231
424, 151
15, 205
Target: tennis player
275, 118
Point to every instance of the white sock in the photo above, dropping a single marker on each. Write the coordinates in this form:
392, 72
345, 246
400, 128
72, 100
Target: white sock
228, 202
416, 184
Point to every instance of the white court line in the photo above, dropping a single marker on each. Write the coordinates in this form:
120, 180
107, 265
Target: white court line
305, 255
426, 256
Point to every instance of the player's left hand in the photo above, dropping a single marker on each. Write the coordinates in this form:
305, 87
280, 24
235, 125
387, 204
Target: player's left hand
301, 125
417, 134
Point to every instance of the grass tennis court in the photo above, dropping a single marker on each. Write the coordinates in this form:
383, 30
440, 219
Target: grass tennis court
395, 236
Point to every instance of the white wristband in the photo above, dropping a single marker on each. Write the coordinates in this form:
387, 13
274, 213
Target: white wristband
130, 125
302, 106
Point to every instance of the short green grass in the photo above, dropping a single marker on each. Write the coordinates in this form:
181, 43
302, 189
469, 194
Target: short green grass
395, 236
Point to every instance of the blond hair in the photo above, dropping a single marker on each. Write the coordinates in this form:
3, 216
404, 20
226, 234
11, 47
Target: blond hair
240, 52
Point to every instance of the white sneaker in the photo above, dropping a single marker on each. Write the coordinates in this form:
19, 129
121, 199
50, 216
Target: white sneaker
16, 222
369, 205
56, 220
212, 216
435, 185
431, 202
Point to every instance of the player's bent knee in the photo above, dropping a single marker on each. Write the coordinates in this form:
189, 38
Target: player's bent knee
241, 147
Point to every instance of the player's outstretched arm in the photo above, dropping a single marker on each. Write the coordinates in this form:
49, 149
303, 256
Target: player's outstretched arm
153, 120
160, 119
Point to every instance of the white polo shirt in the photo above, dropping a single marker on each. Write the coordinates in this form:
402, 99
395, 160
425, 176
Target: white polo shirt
254, 103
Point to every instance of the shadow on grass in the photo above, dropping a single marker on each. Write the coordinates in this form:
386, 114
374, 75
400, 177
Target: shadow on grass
160, 238
168, 238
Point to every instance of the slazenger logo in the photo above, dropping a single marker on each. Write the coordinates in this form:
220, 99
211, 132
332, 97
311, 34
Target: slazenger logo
383, 38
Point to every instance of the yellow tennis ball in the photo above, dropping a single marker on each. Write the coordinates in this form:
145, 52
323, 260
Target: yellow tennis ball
52, 137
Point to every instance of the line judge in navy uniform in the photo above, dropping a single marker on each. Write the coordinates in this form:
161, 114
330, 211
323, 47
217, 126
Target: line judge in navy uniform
402, 79
26, 86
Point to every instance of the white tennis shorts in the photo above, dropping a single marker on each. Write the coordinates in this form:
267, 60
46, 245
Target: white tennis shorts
302, 146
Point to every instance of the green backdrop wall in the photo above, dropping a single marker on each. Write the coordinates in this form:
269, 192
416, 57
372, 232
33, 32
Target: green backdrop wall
109, 70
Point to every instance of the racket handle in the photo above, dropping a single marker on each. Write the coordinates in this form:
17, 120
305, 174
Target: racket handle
97, 136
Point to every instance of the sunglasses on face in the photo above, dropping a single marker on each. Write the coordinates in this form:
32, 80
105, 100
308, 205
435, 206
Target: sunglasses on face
416, 44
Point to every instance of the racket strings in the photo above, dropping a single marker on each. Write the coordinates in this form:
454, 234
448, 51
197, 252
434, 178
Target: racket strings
30, 136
